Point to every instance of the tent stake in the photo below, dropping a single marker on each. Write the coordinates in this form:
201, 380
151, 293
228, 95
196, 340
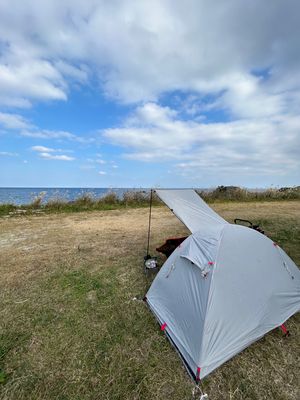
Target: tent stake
149, 226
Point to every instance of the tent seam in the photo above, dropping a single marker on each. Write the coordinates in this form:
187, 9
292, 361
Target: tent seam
209, 290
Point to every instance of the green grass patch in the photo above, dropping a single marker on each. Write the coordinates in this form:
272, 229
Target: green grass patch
5, 209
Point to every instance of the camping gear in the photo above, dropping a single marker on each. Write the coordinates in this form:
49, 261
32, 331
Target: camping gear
170, 245
222, 289
150, 263
249, 223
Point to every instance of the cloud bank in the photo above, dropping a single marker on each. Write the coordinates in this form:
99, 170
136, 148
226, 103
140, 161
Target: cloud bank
155, 133
140, 49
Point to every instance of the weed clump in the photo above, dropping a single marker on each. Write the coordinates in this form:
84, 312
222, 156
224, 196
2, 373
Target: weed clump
6, 209
109, 198
37, 201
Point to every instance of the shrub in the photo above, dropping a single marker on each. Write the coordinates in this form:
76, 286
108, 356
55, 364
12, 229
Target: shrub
7, 208
109, 198
131, 198
56, 204
86, 200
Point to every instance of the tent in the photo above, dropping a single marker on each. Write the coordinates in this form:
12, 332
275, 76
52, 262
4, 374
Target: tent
222, 289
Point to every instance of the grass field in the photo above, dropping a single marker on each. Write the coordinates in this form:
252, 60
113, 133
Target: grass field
70, 328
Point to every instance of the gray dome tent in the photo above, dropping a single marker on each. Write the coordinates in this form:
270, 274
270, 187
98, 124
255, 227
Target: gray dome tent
222, 289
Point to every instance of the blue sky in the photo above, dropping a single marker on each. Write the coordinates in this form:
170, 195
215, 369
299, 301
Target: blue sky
140, 94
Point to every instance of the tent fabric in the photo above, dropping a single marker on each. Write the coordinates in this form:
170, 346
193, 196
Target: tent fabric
201, 250
188, 206
220, 291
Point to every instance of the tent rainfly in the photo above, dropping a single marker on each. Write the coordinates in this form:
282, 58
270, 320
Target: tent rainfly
222, 289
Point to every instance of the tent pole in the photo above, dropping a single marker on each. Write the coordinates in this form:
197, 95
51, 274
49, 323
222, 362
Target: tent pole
149, 226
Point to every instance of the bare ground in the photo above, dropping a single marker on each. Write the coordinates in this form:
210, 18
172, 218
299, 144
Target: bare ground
69, 326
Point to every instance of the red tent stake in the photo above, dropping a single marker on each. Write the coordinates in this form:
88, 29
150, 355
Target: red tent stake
284, 330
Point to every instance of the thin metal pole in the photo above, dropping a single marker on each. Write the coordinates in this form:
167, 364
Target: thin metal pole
149, 227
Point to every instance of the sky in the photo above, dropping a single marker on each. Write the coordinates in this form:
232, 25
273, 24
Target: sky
136, 93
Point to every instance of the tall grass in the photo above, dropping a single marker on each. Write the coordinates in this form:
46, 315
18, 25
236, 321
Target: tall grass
234, 193
37, 201
129, 199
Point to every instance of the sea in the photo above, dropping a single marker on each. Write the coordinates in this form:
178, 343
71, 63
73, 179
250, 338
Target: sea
22, 196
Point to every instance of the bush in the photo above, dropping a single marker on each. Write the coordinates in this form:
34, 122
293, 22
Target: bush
85, 201
109, 198
131, 198
56, 204
7, 208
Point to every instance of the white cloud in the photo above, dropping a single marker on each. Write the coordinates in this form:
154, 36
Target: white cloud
37, 80
48, 153
48, 134
157, 48
42, 149
19, 124
247, 146
13, 121
56, 135
8, 154
102, 173
61, 157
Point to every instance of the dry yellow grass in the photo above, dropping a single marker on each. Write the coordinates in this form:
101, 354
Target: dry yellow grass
69, 326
